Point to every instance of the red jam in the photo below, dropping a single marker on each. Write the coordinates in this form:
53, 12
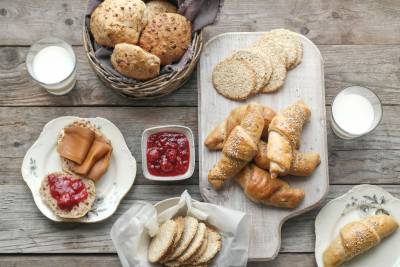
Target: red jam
68, 192
167, 154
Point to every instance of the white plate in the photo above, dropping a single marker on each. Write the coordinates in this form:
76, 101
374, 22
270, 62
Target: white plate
305, 82
359, 202
42, 158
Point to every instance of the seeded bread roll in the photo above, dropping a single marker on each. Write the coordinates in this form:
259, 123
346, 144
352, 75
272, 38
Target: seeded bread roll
156, 7
167, 36
234, 78
118, 21
132, 61
77, 211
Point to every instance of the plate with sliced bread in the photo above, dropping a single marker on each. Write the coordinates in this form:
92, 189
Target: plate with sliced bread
262, 130
79, 169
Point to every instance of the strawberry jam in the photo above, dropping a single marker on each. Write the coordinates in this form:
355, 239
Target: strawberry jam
167, 154
67, 191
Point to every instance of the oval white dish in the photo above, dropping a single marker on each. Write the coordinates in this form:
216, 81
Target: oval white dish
42, 158
359, 202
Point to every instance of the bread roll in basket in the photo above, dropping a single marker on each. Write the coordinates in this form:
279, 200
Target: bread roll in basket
163, 84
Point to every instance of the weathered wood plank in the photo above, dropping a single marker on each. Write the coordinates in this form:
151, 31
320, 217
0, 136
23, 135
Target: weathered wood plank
326, 22
373, 66
25, 230
283, 260
371, 159
18, 89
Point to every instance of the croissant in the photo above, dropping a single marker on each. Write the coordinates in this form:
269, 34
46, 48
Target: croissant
215, 140
303, 164
357, 237
284, 137
240, 146
260, 187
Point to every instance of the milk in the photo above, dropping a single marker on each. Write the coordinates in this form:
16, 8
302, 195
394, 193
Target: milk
53, 64
353, 113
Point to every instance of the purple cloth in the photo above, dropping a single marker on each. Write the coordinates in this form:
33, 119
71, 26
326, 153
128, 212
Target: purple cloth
200, 12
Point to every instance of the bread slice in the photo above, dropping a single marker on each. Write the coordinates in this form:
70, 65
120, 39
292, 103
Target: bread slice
189, 231
195, 244
77, 211
160, 243
234, 78
66, 163
257, 63
213, 247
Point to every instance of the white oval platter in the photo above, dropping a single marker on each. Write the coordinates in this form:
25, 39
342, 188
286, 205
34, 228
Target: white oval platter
305, 82
42, 158
359, 202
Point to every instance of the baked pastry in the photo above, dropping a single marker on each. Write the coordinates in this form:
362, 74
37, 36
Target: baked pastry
357, 237
284, 137
118, 21
132, 61
156, 7
84, 150
216, 138
73, 199
167, 36
260, 187
303, 164
240, 146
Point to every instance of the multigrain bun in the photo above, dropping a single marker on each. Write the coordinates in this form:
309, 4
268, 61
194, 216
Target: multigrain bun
77, 211
167, 36
67, 164
156, 7
132, 61
118, 21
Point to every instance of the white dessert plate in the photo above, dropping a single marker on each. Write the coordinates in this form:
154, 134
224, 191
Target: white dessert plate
42, 158
359, 202
305, 82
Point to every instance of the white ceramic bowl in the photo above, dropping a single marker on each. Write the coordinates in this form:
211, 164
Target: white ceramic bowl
168, 128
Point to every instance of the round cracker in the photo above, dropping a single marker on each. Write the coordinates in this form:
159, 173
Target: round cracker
160, 243
234, 78
200, 251
213, 247
257, 63
267, 46
195, 244
289, 40
267, 64
189, 231
278, 75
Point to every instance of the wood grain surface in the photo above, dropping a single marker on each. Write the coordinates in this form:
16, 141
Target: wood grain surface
359, 42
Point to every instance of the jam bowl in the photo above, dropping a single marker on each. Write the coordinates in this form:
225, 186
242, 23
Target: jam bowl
168, 153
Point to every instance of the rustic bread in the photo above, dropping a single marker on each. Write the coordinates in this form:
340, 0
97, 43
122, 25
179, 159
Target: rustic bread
213, 247
118, 21
132, 61
257, 63
156, 7
160, 243
189, 231
67, 164
234, 78
77, 211
195, 244
167, 36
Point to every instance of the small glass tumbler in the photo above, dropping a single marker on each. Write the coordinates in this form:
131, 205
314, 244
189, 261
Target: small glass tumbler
355, 111
52, 63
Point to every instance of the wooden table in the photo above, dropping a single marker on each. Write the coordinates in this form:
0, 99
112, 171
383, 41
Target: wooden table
360, 43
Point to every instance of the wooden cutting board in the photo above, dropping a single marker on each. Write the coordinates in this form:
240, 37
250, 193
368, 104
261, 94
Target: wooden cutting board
305, 82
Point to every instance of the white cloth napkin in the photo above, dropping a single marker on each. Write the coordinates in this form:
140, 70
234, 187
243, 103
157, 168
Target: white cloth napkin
131, 233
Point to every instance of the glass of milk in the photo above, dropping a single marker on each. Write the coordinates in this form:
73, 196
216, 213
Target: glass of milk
52, 63
356, 111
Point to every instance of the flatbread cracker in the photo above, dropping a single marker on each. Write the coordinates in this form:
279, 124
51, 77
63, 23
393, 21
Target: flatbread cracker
161, 242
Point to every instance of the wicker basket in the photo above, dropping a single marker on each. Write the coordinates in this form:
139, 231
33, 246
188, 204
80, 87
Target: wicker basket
157, 87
